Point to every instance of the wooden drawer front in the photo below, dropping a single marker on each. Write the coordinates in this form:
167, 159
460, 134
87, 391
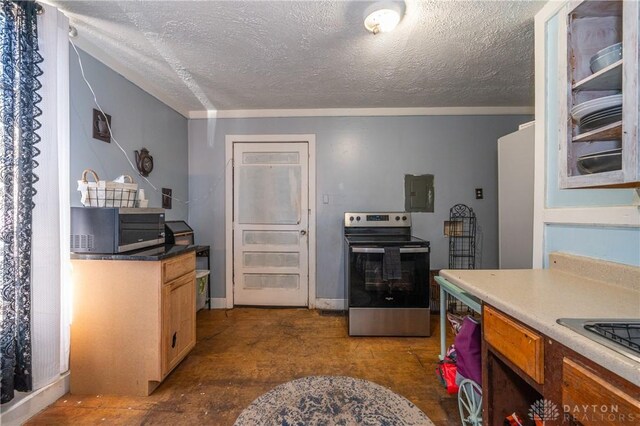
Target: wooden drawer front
178, 266
520, 345
592, 400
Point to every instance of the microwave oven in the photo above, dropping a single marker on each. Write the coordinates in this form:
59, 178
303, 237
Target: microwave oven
110, 230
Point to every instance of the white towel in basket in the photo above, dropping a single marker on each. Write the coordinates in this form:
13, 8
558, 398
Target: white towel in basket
107, 193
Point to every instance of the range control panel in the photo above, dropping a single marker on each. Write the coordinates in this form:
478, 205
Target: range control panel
370, 219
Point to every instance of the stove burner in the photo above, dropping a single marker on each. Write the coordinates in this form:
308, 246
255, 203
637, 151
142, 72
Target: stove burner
626, 334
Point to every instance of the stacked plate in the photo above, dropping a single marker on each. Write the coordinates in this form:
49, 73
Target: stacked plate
595, 105
600, 162
606, 57
600, 118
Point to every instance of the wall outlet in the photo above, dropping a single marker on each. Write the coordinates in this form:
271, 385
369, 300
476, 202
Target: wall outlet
479, 194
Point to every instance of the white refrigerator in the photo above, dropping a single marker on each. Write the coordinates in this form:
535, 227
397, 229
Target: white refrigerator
515, 199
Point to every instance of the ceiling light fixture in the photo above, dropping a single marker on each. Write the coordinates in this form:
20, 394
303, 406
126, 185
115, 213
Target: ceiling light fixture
383, 16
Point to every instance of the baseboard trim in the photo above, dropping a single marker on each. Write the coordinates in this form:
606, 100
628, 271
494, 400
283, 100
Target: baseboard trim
331, 304
218, 303
18, 412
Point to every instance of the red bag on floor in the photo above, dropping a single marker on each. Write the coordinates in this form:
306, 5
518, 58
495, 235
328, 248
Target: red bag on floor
446, 371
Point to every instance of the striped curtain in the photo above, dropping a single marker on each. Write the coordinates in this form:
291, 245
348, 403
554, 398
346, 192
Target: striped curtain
19, 85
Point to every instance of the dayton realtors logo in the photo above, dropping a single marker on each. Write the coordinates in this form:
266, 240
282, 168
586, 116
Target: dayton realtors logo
600, 413
546, 411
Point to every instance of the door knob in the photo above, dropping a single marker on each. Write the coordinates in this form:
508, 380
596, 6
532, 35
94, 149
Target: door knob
303, 232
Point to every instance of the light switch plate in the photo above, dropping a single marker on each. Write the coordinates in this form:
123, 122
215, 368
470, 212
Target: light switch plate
479, 194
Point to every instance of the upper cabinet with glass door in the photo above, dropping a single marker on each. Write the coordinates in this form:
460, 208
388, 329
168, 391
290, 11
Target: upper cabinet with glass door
598, 72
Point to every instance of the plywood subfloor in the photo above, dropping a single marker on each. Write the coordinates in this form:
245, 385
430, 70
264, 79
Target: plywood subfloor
242, 353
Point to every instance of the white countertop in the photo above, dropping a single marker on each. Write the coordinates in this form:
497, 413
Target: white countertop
538, 297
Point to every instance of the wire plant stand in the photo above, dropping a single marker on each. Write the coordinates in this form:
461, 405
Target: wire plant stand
462, 247
462, 237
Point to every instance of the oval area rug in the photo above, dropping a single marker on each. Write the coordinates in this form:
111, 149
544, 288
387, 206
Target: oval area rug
331, 400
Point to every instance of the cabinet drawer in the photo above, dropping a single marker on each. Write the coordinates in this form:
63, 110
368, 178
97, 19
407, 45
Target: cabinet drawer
520, 345
593, 400
178, 266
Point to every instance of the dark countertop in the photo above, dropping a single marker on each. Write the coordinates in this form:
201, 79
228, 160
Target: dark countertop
147, 254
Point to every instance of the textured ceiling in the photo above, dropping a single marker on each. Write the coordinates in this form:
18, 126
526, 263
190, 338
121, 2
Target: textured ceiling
228, 55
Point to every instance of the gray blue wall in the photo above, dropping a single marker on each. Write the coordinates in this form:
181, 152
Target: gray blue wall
138, 120
361, 163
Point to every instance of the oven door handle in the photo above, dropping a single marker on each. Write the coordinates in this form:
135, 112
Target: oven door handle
381, 250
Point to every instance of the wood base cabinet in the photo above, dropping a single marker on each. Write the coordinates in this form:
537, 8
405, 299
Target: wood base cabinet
524, 371
513, 366
133, 322
592, 399
178, 320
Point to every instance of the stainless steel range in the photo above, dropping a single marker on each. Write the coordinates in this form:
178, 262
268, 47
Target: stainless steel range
386, 275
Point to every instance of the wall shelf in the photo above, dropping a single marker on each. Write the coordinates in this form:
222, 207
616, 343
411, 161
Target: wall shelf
609, 132
586, 28
609, 78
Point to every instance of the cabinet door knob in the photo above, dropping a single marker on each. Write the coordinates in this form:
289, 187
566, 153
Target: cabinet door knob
173, 339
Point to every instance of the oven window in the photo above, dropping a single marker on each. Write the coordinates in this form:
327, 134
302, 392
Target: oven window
368, 288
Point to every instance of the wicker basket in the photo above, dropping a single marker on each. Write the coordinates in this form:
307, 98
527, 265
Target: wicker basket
102, 193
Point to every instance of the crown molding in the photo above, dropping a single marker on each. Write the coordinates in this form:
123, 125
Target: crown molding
360, 112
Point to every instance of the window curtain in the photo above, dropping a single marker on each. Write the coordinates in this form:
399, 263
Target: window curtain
19, 72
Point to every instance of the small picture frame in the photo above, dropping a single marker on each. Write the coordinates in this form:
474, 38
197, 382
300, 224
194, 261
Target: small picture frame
101, 126
166, 198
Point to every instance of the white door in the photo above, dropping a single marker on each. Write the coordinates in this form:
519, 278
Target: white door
270, 224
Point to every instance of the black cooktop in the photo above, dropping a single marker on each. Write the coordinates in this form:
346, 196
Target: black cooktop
620, 334
623, 333
385, 240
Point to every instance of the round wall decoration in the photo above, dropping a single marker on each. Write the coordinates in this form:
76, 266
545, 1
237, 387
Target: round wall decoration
144, 162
